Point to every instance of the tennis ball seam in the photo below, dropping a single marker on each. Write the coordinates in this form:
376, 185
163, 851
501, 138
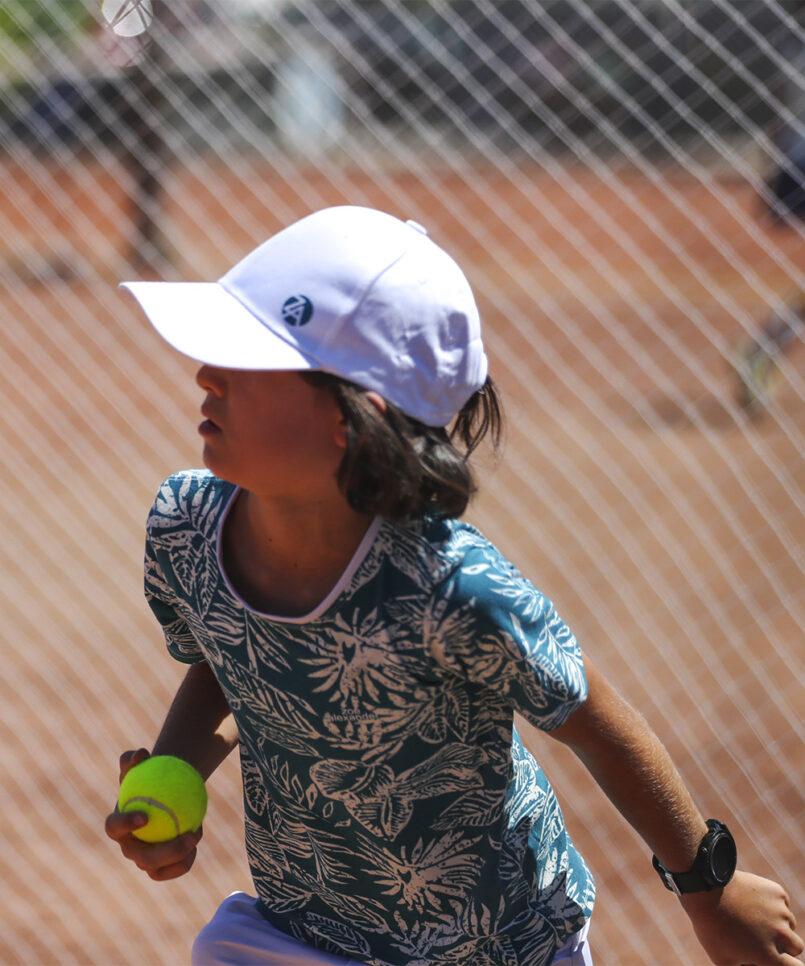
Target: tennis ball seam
170, 791
142, 799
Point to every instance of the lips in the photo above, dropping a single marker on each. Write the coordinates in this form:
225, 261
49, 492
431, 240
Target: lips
208, 427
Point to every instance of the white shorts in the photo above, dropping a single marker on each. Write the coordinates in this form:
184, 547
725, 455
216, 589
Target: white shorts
576, 951
238, 935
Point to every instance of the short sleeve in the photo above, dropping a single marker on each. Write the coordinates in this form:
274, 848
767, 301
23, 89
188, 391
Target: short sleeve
504, 634
160, 597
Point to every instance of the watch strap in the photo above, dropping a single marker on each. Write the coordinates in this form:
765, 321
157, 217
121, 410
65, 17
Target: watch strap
681, 882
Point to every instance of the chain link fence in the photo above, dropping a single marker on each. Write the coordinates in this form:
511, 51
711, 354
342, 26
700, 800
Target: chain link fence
621, 180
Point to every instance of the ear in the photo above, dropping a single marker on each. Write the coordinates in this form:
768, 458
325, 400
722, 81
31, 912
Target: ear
340, 434
376, 400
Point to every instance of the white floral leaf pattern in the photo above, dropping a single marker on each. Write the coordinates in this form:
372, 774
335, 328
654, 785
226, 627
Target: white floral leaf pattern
342, 936
383, 801
391, 812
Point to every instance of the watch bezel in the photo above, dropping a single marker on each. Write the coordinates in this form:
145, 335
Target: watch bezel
703, 875
720, 839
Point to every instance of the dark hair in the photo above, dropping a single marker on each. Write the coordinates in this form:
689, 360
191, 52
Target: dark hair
400, 468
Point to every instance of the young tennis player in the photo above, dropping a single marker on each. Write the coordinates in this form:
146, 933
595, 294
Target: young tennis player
366, 650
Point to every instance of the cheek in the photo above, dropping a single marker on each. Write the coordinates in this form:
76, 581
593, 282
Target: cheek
285, 429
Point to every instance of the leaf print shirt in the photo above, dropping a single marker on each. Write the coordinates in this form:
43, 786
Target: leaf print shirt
392, 813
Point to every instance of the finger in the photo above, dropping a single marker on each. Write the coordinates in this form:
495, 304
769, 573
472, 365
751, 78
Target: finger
131, 758
122, 825
167, 872
162, 865
152, 856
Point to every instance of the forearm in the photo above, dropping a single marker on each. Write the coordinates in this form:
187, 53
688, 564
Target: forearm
635, 771
747, 921
199, 726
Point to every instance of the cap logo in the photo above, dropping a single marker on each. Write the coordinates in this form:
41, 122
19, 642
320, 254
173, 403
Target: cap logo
297, 310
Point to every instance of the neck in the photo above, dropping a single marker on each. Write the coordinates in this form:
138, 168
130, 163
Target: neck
292, 532
284, 557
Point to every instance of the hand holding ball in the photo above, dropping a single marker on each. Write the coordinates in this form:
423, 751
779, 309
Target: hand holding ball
170, 792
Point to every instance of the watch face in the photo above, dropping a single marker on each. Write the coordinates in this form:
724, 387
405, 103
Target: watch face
723, 858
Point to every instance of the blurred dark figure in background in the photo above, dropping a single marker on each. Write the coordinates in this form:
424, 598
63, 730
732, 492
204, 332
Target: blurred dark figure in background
145, 159
144, 107
135, 37
757, 366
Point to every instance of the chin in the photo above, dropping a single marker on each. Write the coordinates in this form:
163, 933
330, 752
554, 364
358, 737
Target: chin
213, 465
219, 468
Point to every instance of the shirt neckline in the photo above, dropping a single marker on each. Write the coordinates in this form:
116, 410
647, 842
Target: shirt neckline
343, 581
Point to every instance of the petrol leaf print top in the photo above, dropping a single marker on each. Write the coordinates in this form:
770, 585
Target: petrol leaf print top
392, 813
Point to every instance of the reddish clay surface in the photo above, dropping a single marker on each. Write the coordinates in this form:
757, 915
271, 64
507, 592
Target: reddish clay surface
666, 526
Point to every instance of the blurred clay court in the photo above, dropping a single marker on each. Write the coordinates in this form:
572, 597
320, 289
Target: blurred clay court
663, 519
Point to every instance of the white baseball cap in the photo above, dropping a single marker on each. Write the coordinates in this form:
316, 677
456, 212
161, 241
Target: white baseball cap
347, 290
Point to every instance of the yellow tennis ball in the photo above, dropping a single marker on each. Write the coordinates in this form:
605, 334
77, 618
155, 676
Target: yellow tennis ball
170, 792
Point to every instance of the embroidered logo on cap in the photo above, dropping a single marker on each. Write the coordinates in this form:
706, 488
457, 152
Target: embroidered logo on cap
297, 310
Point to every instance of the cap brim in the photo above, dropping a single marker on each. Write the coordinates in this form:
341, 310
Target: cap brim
203, 321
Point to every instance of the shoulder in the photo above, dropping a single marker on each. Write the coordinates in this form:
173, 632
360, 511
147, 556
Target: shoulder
428, 549
447, 556
188, 498
478, 575
471, 561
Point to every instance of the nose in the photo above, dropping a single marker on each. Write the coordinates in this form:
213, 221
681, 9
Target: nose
211, 379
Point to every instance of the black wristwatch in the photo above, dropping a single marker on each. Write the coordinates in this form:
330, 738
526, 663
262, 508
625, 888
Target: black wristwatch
712, 868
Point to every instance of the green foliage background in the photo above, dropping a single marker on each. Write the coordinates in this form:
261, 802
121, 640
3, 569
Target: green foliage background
22, 22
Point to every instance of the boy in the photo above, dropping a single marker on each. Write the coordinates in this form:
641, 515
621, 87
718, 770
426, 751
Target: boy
366, 650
